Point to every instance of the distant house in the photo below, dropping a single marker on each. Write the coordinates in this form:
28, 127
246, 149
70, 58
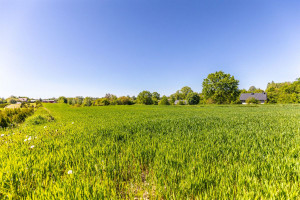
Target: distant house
262, 97
177, 101
23, 99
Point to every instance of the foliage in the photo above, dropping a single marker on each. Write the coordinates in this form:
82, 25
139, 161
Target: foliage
252, 89
41, 116
182, 93
124, 101
3, 105
286, 92
12, 101
164, 101
87, 101
62, 99
193, 98
220, 87
102, 102
155, 98
252, 100
9, 117
145, 97
38, 104
181, 102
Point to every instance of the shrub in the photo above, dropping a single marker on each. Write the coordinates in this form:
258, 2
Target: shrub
124, 100
38, 104
193, 98
164, 101
252, 100
40, 119
181, 102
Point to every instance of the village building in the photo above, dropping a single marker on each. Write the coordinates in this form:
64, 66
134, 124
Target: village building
261, 97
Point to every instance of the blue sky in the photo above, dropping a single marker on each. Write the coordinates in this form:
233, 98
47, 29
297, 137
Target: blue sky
89, 48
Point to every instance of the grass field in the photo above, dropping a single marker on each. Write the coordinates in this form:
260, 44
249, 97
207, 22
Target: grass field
154, 152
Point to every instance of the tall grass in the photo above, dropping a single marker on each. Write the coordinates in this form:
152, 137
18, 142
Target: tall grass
154, 152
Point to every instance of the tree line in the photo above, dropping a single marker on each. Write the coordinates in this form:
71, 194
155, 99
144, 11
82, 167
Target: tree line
217, 88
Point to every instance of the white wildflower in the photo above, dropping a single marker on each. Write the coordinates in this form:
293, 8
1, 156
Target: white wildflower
45, 126
70, 172
72, 122
25, 140
2, 135
29, 138
32, 146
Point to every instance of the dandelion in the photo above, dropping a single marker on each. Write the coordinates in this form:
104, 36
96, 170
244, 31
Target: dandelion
25, 140
32, 146
2, 135
70, 172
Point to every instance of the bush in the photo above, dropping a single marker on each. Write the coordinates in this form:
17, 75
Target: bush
102, 102
164, 101
3, 105
124, 100
40, 119
38, 104
181, 102
10, 116
252, 100
193, 98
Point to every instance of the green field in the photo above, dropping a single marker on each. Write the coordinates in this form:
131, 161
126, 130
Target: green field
154, 152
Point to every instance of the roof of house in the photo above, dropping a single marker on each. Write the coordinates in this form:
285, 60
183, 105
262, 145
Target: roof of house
258, 96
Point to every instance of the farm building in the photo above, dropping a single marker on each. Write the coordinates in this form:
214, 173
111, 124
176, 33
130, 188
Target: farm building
262, 97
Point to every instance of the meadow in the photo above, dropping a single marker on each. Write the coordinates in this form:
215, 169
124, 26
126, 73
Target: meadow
153, 152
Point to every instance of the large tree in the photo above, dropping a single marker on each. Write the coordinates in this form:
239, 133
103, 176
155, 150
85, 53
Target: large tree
220, 87
155, 98
62, 99
145, 97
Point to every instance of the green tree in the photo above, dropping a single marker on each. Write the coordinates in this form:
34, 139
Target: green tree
252, 89
145, 97
12, 101
102, 102
193, 98
62, 99
124, 100
185, 91
87, 101
155, 98
220, 87
164, 101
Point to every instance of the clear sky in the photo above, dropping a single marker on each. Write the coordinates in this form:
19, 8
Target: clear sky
50, 48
